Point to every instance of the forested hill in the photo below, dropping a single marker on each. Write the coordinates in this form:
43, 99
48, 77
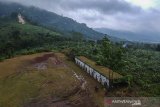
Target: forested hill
50, 19
15, 37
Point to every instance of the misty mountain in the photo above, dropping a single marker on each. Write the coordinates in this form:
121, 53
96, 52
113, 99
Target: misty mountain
50, 20
131, 36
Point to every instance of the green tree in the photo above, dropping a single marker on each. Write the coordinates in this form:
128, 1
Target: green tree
158, 47
76, 36
112, 55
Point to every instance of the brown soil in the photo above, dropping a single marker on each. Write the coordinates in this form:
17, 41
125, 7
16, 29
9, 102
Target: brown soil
47, 60
83, 99
45, 57
79, 97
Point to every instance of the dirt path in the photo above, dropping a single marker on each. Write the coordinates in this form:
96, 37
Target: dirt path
82, 81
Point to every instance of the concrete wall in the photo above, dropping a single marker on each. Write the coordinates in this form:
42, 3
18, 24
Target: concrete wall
94, 73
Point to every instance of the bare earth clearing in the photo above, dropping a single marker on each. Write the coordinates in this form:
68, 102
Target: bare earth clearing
46, 80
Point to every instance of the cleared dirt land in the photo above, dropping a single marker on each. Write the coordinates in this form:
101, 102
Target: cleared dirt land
47, 80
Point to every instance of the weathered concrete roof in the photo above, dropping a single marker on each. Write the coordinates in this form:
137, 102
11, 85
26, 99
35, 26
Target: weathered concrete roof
101, 69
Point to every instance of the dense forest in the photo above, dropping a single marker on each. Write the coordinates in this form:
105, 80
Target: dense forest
140, 66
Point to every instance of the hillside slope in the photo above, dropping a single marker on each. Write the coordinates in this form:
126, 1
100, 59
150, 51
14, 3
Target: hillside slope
15, 36
49, 19
46, 80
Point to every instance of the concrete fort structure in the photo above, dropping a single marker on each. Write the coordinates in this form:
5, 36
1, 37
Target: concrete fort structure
102, 74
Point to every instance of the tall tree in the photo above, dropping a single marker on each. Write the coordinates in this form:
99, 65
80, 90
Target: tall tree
158, 47
111, 55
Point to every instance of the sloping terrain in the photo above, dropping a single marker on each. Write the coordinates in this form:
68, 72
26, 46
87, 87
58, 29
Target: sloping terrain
21, 19
49, 19
15, 37
46, 80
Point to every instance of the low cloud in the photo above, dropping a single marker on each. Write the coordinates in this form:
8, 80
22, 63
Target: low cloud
103, 6
113, 14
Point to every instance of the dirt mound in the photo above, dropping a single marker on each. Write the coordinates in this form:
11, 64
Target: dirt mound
47, 60
42, 58
54, 61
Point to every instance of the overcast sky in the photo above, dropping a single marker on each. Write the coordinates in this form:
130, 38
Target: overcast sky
129, 15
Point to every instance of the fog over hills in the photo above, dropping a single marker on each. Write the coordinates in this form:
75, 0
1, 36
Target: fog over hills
133, 22
151, 37
49, 19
